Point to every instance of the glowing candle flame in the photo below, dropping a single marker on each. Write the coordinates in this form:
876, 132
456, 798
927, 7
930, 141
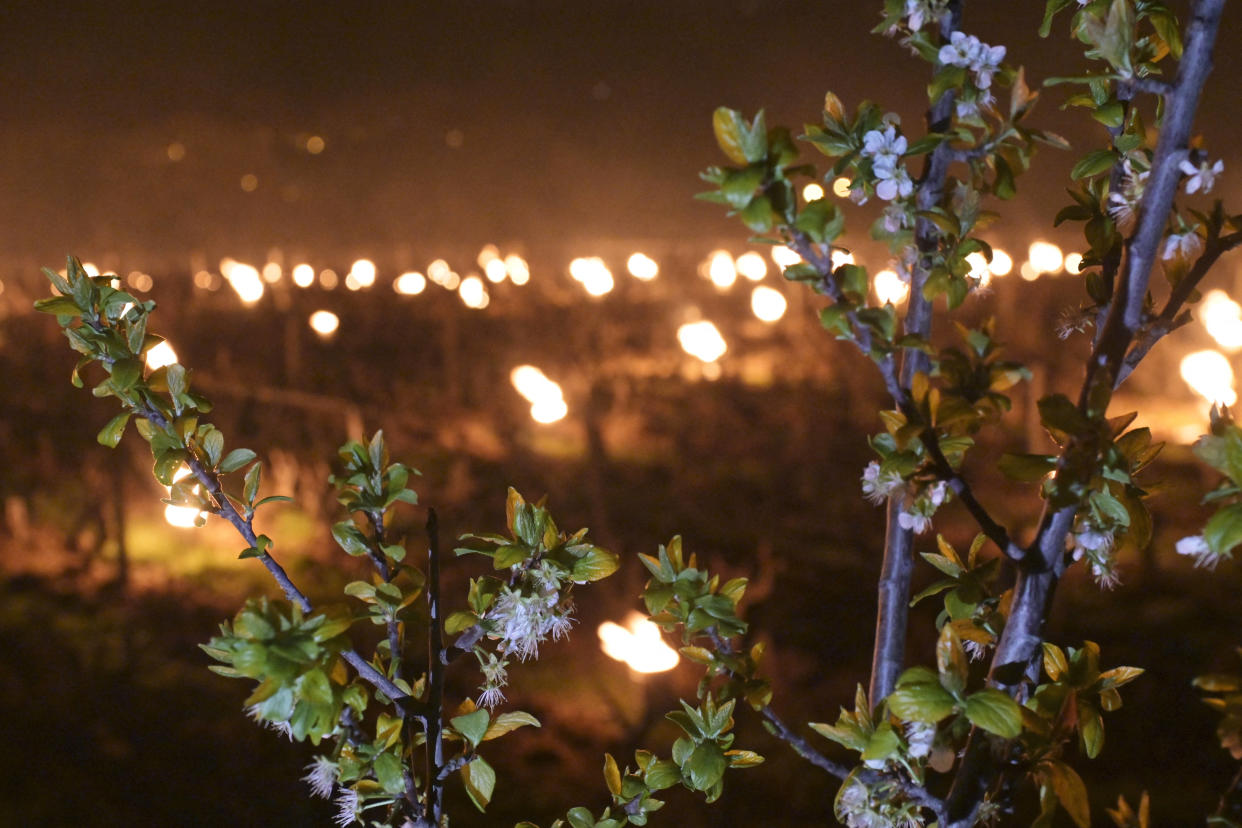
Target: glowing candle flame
638, 643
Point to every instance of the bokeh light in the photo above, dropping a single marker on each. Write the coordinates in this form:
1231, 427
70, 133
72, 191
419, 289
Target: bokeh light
889, 287
324, 323
638, 644
752, 266
1223, 319
411, 283
812, 192
1210, 375
642, 267
303, 275
721, 269
702, 340
160, 355
768, 304
592, 274
1045, 257
473, 292
1002, 262
547, 402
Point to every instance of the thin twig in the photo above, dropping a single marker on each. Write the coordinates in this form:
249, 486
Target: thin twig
435, 670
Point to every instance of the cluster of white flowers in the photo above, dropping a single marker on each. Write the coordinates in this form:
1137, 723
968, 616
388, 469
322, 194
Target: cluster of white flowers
877, 485
524, 621
858, 808
321, 776
1095, 544
916, 515
1201, 176
971, 53
885, 147
1196, 547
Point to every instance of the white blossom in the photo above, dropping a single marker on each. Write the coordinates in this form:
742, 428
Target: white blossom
974, 649
1184, 246
1196, 547
1201, 176
884, 148
893, 183
282, 727
321, 777
1123, 204
877, 485
346, 807
919, 738
914, 521
897, 217
970, 53
524, 621
1105, 573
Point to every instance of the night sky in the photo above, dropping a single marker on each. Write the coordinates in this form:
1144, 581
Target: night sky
450, 123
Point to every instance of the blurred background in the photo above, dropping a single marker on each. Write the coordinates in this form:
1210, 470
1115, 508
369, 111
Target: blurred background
471, 224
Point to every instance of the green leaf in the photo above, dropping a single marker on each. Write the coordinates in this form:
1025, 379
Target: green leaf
59, 305
213, 444
479, 779
250, 489
235, 459
595, 565
1070, 791
1094, 163
1224, 531
927, 702
1026, 468
388, 772
460, 621
472, 726
509, 722
821, 220
994, 711
705, 766
729, 127
315, 687
951, 660
111, 433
